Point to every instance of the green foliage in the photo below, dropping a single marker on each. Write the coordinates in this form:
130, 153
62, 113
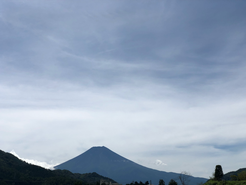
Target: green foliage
223, 182
231, 178
233, 175
172, 182
242, 175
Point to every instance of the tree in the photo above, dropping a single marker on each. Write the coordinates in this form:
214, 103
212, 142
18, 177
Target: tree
218, 173
242, 175
172, 182
234, 177
184, 177
161, 182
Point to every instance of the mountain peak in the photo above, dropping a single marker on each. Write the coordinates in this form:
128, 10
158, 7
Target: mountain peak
100, 154
98, 147
105, 162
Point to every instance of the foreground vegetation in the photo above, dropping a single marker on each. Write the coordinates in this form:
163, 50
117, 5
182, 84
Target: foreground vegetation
224, 182
231, 178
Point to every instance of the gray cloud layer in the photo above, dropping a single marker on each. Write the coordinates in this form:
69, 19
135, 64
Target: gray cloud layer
151, 80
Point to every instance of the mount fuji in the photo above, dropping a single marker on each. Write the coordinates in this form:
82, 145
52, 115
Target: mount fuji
109, 164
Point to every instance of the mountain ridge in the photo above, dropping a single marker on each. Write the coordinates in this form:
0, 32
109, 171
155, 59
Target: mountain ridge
16, 171
110, 164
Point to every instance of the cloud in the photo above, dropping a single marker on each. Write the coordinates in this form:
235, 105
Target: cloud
159, 162
165, 80
35, 162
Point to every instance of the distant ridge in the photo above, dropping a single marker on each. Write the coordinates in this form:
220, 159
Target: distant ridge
109, 164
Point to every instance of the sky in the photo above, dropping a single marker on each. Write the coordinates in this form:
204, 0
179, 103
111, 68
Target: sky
161, 83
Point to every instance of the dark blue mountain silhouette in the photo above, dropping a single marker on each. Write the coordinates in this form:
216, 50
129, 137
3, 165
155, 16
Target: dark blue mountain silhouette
109, 164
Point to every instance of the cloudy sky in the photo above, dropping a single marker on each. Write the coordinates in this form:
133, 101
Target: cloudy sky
162, 83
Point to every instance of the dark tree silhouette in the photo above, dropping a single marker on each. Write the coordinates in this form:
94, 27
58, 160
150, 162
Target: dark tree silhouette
161, 182
218, 174
172, 182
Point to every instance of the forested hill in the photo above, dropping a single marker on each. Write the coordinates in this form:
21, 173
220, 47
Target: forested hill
230, 175
18, 172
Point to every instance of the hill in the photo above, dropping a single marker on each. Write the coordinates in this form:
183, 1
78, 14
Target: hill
16, 171
231, 178
108, 163
228, 175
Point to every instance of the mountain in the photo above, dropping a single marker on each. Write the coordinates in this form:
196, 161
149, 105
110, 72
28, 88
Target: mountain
228, 175
16, 171
108, 163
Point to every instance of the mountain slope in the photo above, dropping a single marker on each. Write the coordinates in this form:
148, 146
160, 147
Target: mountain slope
228, 175
16, 171
107, 163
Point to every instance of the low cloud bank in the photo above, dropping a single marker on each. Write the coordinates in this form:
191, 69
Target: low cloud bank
35, 162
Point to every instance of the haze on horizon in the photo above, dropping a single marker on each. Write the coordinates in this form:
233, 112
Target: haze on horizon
161, 83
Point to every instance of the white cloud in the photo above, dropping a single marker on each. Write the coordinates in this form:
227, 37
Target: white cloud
34, 162
159, 162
